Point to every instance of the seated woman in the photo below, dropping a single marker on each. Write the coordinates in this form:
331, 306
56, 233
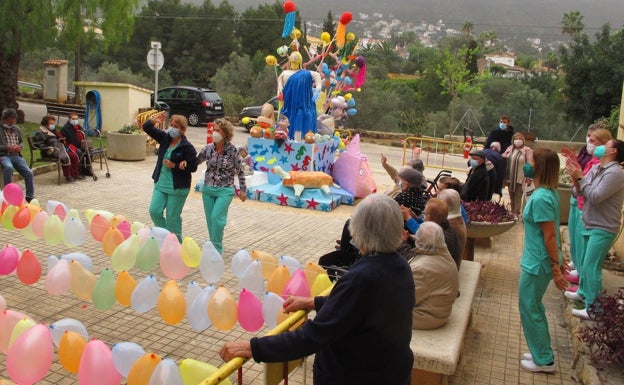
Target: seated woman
436, 278
52, 145
412, 195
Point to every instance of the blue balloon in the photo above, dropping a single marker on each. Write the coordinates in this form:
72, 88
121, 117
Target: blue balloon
351, 102
351, 111
348, 81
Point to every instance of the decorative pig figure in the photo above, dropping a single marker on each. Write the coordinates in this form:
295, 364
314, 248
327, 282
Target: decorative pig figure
352, 171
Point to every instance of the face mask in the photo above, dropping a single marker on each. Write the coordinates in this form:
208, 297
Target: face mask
217, 137
591, 148
518, 143
74, 122
173, 132
474, 163
502, 126
600, 151
528, 170
400, 183
52, 126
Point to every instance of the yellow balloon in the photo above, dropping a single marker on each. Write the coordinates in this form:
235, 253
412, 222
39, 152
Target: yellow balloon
348, 96
270, 60
136, 226
321, 283
194, 372
124, 255
245, 120
350, 36
325, 37
124, 287
117, 219
278, 280
190, 252
7, 217
222, 309
141, 372
295, 34
171, 303
82, 281
20, 327
111, 240
70, 350
312, 270
269, 263
53, 230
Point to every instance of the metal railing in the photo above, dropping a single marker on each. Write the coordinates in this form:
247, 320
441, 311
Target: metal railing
39, 87
437, 153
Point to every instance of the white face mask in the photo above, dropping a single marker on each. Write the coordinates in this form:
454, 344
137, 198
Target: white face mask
590, 148
52, 126
217, 137
518, 143
74, 122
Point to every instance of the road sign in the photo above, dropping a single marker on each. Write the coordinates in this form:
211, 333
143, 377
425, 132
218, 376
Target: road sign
155, 59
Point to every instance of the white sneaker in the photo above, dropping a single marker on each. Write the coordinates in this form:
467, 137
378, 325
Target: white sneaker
533, 367
574, 273
527, 356
582, 313
573, 295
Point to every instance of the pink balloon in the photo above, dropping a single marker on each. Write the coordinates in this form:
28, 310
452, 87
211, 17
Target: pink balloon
58, 279
249, 311
59, 210
96, 365
9, 256
298, 285
171, 262
125, 229
30, 357
8, 319
39, 222
13, 194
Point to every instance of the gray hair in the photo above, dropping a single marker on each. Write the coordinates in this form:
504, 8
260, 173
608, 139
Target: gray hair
9, 113
429, 239
377, 224
416, 164
453, 201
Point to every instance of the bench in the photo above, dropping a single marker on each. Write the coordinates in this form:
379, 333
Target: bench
62, 109
437, 352
37, 155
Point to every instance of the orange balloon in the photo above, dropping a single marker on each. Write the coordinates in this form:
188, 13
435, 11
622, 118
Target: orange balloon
116, 220
141, 372
21, 218
70, 350
312, 270
82, 281
28, 268
111, 240
222, 309
124, 287
278, 280
98, 227
171, 303
269, 263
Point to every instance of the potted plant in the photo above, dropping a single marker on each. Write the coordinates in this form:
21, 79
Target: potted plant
486, 219
128, 143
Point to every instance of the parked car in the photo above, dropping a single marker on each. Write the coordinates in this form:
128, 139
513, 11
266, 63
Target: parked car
199, 105
254, 111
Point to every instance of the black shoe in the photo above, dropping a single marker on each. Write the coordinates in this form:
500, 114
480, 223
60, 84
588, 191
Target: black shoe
69, 179
28, 199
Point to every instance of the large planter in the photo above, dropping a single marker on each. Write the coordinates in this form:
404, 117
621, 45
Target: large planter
126, 146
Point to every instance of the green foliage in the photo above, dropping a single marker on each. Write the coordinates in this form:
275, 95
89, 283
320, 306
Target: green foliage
130, 129
260, 29
110, 72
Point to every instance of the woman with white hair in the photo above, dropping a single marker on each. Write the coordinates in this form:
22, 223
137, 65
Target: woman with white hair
367, 314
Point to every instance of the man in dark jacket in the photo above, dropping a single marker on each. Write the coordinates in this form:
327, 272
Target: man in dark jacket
502, 134
477, 184
493, 154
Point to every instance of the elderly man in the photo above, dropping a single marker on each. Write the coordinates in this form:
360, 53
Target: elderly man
493, 154
477, 184
11, 143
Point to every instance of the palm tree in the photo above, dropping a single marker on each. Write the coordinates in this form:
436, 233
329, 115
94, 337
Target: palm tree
572, 23
467, 28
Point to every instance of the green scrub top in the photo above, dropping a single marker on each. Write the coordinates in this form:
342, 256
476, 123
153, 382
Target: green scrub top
543, 206
165, 180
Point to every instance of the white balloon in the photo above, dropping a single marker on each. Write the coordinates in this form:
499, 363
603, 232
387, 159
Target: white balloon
52, 261
252, 279
192, 291
83, 258
58, 328
198, 315
166, 373
291, 263
125, 354
74, 231
159, 233
145, 295
58, 279
240, 261
271, 308
211, 265
51, 206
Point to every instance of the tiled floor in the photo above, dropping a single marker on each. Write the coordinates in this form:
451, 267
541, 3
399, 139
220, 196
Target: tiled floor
492, 347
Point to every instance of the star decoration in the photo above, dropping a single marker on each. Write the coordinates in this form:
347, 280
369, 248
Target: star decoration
312, 204
283, 200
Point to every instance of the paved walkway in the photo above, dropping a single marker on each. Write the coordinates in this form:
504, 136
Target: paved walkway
492, 347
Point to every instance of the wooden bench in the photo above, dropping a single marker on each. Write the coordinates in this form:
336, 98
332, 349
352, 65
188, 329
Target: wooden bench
37, 155
437, 352
62, 109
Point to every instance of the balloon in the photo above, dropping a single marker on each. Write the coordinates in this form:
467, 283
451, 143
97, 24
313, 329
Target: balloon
51, 206
192, 291
27, 232
348, 96
125, 228
171, 303
159, 233
278, 280
240, 261
145, 295
98, 227
170, 258
351, 103
211, 266
28, 268
325, 38
194, 372
222, 309
58, 328
148, 254
61, 211
141, 371
70, 350
58, 279
38, 222
268, 262
3, 304
30, 357
271, 307
13, 194
21, 218
52, 260
351, 111
125, 354
124, 256
96, 365
321, 283
124, 287
312, 270
116, 220
72, 214
111, 240
136, 226
191, 253
166, 373
249, 311
53, 230
82, 281
252, 278
290, 262
198, 313
7, 217
104, 290
83, 258
297, 285
8, 319
9, 256
281, 51
20, 328
75, 232
270, 60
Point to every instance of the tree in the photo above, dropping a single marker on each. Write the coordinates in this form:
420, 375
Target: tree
329, 25
467, 28
572, 23
260, 29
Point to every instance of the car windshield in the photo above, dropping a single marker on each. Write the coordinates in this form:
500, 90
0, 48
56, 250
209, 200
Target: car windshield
212, 96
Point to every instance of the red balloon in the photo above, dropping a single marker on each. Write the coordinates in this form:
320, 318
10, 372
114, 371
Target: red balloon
346, 18
21, 219
28, 268
289, 6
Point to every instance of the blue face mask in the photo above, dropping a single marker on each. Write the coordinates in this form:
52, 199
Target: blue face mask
173, 132
52, 126
528, 170
74, 122
400, 183
600, 151
473, 163
502, 126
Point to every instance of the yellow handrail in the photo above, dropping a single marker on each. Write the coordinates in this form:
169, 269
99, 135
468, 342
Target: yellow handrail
436, 146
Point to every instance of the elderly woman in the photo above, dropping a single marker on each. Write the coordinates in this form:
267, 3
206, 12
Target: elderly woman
393, 173
51, 139
367, 315
436, 278
412, 195
517, 155
455, 219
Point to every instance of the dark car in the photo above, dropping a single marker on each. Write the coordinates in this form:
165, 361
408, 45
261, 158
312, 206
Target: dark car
199, 105
254, 111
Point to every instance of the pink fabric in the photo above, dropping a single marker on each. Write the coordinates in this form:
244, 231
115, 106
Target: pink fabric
580, 200
352, 171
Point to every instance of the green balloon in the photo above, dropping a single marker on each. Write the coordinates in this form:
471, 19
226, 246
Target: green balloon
104, 290
124, 256
148, 255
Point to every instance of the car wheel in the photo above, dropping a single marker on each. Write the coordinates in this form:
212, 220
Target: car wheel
193, 119
248, 126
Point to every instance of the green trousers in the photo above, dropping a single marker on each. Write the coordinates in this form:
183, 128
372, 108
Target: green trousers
597, 245
171, 206
216, 204
533, 315
575, 231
